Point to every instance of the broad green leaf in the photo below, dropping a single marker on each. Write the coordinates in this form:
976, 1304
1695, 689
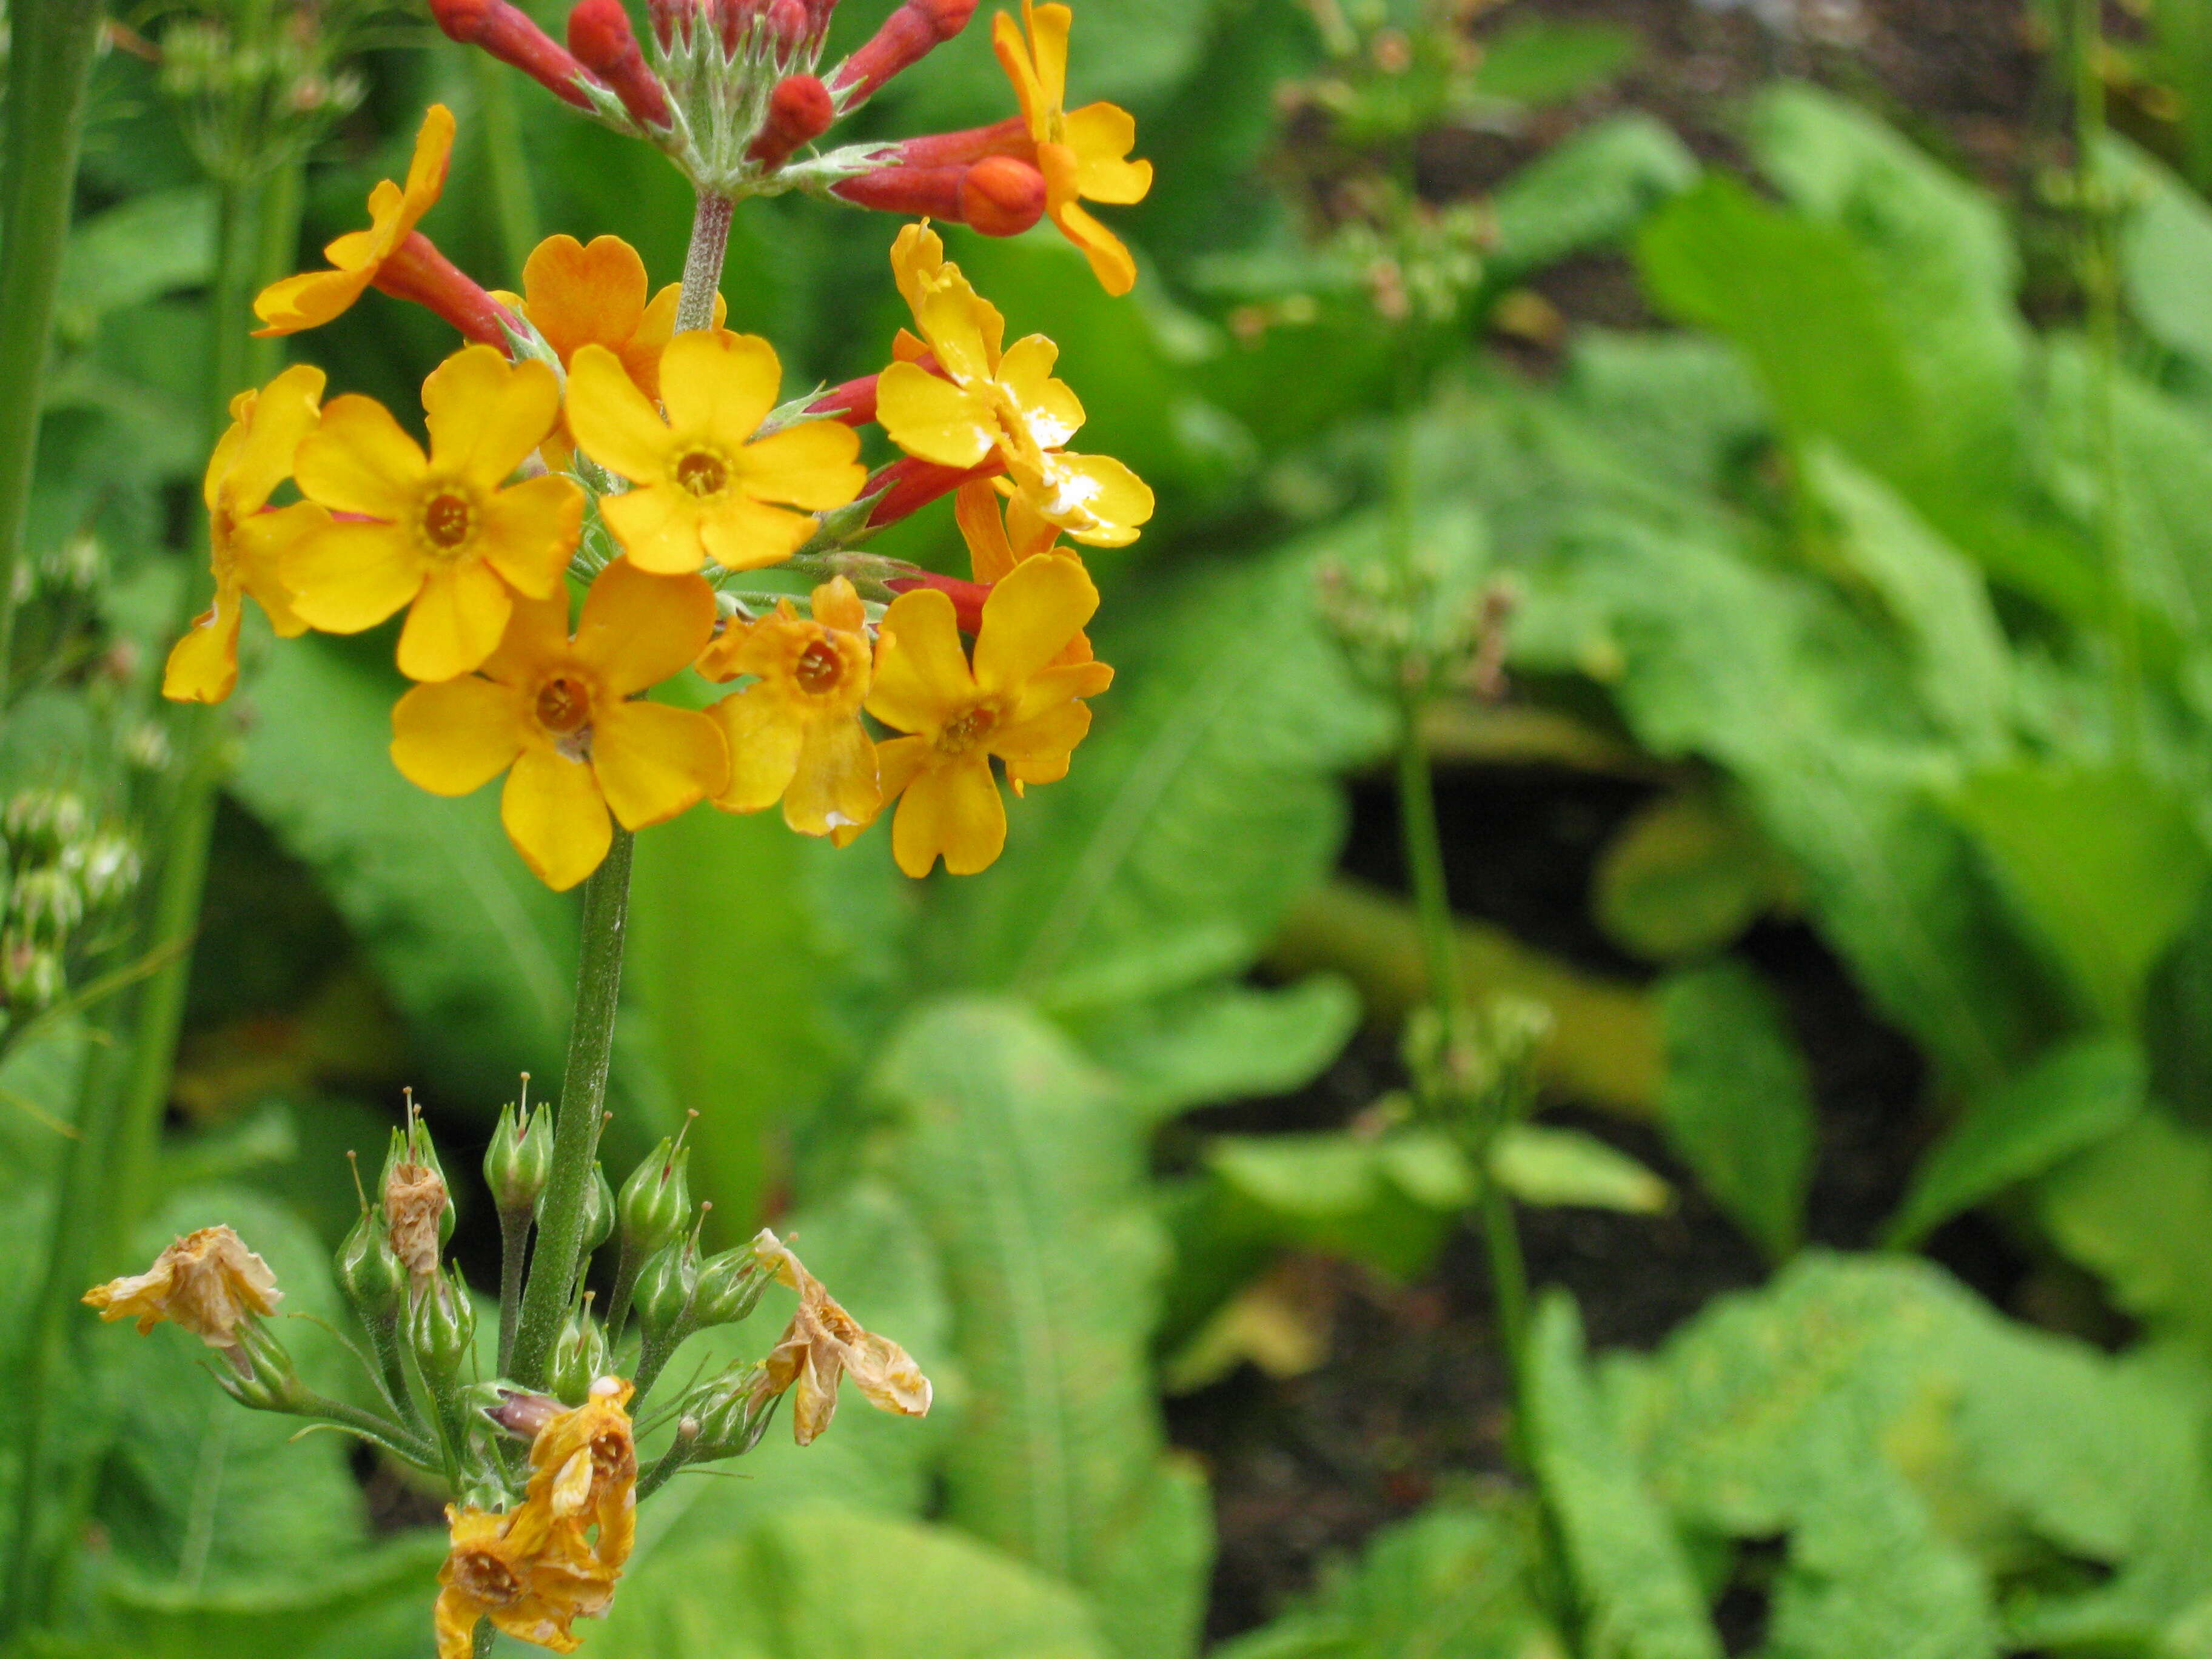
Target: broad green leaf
1537, 61
1737, 1105
1631, 1579
1028, 1171
814, 1581
1565, 1168
2137, 1210
1587, 192
1385, 1200
1684, 876
2105, 866
1226, 1042
1679, 407
139, 250
480, 956
2069, 1101
2164, 246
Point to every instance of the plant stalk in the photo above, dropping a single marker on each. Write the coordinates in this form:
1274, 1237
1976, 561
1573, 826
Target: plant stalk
702, 265
513, 1253
49, 68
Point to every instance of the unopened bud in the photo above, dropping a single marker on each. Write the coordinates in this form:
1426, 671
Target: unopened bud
108, 866
598, 1212
664, 1288
656, 1200
733, 1412
442, 1326
908, 35
505, 32
599, 35
580, 1357
730, 1287
261, 1375
520, 1158
522, 1415
799, 110
369, 1270
1001, 196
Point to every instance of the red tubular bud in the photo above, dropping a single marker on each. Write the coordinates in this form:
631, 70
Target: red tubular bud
799, 109
417, 272
1009, 137
600, 35
1001, 197
910, 485
921, 192
852, 403
788, 22
505, 32
734, 16
908, 35
967, 597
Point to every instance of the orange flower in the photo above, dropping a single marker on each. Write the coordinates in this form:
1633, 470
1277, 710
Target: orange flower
246, 546
795, 733
1083, 154
207, 1282
444, 533
528, 1573
312, 299
556, 714
584, 1469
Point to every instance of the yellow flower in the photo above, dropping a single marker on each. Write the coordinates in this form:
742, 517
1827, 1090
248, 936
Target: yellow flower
207, 1282
557, 712
584, 1469
528, 1572
795, 733
312, 299
987, 402
1020, 702
440, 531
245, 544
705, 485
823, 1344
1083, 154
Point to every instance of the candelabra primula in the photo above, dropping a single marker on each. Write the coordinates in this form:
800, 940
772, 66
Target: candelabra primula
591, 438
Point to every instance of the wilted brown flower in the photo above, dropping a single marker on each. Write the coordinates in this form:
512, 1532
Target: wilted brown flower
528, 1573
207, 1282
824, 1342
584, 1469
415, 1201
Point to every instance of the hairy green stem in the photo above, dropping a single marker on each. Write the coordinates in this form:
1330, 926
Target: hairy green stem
702, 265
391, 1363
49, 67
402, 1442
553, 1263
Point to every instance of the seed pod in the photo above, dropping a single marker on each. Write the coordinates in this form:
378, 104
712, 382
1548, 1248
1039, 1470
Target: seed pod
442, 1328
655, 1200
370, 1273
417, 1209
665, 1287
733, 1412
580, 1357
520, 1158
730, 1287
598, 1212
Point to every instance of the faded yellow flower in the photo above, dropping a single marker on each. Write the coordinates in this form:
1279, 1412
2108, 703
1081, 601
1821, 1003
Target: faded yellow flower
207, 1282
584, 1469
823, 1343
527, 1572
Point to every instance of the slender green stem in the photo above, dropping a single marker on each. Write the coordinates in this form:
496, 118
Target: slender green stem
576, 1127
514, 206
513, 1253
49, 67
654, 1357
402, 1442
486, 1635
1425, 866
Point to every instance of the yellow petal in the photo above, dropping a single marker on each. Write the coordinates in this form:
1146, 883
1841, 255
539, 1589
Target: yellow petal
958, 326
202, 665
837, 605
349, 576
425, 170
1101, 135
456, 736
976, 509
763, 733
456, 622
659, 527
834, 783
718, 385
613, 422
638, 629
814, 465
1048, 408
1037, 750
307, 300
576, 295
1094, 498
529, 529
556, 817
745, 535
1049, 29
258, 548
950, 810
921, 673
284, 412
654, 762
486, 415
359, 461
537, 637
932, 418
1013, 55
1029, 617
1110, 260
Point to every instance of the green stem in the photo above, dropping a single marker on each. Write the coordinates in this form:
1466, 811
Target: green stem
576, 1126
702, 265
401, 1443
482, 1642
654, 1357
513, 1252
1425, 866
49, 67
514, 206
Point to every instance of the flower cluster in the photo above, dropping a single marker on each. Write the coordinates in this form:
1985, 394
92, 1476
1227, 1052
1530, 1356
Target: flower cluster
592, 433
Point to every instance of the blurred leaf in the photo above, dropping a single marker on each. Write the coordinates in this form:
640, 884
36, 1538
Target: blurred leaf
1534, 60
817, 1582
1204, 802
2135, 1209
1565, 1167
2165, 248
477, 952
139, 250
1029, 1173
2106, 866
1225, 1042
1737, 1105
1386, 1200
1632, 1581
328, 1619
2069, 1101
1588, 192
1683, 877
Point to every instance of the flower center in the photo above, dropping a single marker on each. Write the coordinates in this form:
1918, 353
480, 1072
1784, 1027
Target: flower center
819, 667
487, 1578
564, 705
703, 473
962, 732
447, 520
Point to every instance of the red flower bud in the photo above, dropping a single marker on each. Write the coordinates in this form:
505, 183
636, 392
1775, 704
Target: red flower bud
735, 17
1008, 138
417, 272
1000, 195
799, 110
789, 21
507, 32
910, 485
600, 35
967, 597
852, 403
908, 35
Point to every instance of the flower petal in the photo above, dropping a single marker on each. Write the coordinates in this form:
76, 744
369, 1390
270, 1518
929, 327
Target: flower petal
641, 356
426, 171
284, 412
1029, 617
952, 810
258, 548
202, 665
837, 605
455, 736
835, 784
359, 461
485, 415
745, 535
976, 509
576, 294
1037, 750
611, 419
638, 629
1095, 498
1048, 29
814, 465
931, 418
456, 622
654, 762
529, 529
1013, 53
537, 635
1101, 135
718, 385
763, 733
307, 300
349, 576
556, 816
921, 673
1110, 260
659, 527
1050, 407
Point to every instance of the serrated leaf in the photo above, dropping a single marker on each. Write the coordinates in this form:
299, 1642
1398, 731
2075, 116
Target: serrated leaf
1683, 877
1566, 1168
1226, 1042
2070, 1100
1737, 1104
1029, 1174
480, 956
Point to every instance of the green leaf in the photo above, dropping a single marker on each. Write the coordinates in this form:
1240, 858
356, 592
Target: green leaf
1225, 1043
1537, 61
818, 1581
1565, 1168
2137, 1210
139, 250
2071, 1099
1029, 1173
1737, 1105
1632, 1582
2106, 866
1589, 191
480, 956
1386, 1200
2165, 248
1684, 876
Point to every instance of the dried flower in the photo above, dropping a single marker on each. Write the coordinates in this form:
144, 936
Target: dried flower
207, 1282
821, 1343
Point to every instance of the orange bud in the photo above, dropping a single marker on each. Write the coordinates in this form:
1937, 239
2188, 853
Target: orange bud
1000, 195
799, 110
